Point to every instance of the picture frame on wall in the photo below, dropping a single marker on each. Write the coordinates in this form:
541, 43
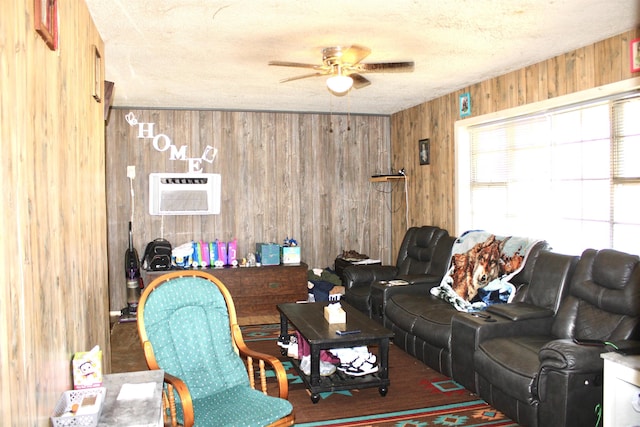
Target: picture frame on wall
424, 151
465, 104
46, 21
634, 55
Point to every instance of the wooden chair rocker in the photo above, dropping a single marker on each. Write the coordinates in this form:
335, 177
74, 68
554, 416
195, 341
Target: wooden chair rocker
188, 328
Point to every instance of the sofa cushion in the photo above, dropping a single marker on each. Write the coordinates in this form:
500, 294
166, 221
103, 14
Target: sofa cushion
424, 316
549, 283
418, 251
604, 297
359, 298
420, 254
511, 363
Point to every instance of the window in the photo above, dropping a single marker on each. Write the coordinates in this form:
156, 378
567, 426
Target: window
570, 175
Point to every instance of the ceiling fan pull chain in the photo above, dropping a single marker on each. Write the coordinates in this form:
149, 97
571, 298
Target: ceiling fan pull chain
349, 110
330, 113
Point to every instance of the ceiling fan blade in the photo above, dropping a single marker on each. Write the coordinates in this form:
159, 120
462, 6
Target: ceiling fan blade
354, 54
303, 76
386, 67
359, 81
294, 64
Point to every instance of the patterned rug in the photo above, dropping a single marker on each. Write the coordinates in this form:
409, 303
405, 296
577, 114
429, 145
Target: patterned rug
418, 396
467, 414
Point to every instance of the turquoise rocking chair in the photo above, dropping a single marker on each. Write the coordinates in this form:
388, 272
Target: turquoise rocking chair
188, 327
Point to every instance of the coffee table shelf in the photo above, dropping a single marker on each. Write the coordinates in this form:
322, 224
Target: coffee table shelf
308, 319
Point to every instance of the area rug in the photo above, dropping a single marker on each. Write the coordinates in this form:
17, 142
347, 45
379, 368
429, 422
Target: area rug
467, 414
418, 396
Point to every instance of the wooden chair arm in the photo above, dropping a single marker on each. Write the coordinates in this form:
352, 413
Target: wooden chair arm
177, 385
249, 354
173, 384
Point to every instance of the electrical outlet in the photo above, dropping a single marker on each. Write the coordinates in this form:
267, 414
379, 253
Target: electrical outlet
131, 172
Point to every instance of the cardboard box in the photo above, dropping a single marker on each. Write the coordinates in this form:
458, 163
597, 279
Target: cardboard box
335, 314
268, 253
291, 254
87, 369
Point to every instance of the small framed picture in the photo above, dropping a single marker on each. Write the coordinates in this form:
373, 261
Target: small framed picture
634, 56
465, 104
424, 151
46, 21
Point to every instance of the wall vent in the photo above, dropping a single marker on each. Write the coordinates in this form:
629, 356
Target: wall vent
184, 193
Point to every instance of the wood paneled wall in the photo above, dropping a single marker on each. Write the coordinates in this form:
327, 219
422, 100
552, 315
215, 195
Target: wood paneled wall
431, 189
53, 291
304, 176
283, 174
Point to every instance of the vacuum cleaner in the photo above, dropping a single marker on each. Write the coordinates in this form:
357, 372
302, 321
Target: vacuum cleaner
133, 278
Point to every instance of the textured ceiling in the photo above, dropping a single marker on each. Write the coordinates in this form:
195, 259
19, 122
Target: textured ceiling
214, 54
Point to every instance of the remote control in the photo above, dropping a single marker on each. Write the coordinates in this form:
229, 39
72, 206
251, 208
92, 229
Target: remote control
354, 331
481, 315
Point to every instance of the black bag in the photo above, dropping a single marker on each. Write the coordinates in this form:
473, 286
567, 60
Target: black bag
157, 255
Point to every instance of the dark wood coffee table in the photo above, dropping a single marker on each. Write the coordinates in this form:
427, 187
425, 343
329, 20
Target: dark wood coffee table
308, 319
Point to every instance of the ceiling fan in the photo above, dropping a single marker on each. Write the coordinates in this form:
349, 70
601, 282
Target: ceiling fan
344, 66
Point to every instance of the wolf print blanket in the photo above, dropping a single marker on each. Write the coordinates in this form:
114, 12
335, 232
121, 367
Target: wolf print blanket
482, 265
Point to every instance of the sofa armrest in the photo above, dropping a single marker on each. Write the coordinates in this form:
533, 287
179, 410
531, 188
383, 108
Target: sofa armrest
419, 284
582, 362
413, 288
359, 275
566, 355
429, 280
520, 311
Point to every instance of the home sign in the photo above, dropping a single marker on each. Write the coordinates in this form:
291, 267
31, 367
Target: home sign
162, 143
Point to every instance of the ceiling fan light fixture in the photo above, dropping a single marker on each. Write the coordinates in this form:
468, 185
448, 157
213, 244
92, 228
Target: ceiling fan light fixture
343, 68
339, 84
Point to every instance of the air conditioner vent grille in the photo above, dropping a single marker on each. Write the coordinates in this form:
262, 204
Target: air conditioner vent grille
175, 201
183, 180
184, 194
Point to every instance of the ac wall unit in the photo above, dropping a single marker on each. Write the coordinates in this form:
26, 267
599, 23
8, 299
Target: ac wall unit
184, 193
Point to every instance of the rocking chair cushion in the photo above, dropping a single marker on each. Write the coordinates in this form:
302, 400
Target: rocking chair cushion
187, 323
239, 406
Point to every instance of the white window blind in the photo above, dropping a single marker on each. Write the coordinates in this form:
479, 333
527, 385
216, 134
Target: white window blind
570, 176
626, 176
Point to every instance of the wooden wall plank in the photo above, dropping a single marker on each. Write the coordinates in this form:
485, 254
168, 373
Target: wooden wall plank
53, 213
283, 175
598, 64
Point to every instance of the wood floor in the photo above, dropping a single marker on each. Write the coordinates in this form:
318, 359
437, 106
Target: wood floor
126, 350
410, 382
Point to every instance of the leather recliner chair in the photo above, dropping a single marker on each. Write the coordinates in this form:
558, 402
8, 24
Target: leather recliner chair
542, 377
423, 258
